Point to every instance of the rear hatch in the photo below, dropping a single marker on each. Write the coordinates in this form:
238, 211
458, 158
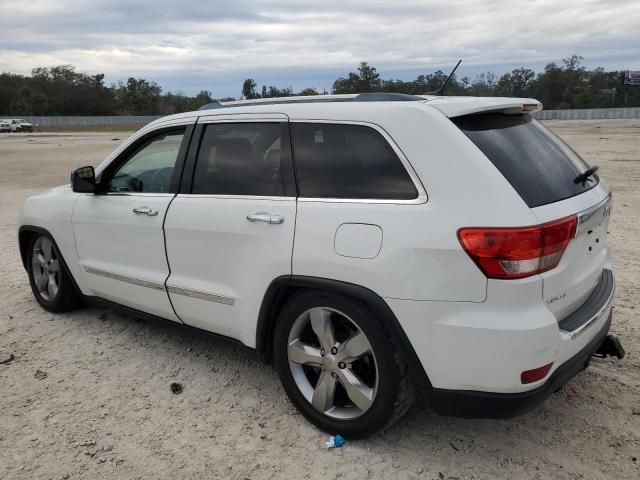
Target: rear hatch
546, 172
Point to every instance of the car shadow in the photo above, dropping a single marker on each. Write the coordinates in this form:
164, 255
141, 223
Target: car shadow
420, 433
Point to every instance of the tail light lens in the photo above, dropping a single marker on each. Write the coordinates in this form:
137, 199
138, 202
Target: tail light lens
518, 252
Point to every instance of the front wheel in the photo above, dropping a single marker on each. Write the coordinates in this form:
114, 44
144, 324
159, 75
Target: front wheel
50, 282
339, 365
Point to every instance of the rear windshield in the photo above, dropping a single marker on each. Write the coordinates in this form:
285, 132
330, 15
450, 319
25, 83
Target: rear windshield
539, 166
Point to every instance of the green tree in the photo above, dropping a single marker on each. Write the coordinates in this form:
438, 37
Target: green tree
518, 83
249, 89
306, 92
138, 96
365, 80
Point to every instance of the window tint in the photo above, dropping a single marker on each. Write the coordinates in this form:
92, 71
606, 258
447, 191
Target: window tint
150, 168
244, 159
348, 161
538, 164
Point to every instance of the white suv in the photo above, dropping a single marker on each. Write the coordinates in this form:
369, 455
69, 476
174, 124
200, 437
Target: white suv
370, 246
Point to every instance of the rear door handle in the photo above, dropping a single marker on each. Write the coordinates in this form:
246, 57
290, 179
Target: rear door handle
266, 218
152, 212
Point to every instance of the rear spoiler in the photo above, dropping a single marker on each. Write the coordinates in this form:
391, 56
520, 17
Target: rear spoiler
458, 106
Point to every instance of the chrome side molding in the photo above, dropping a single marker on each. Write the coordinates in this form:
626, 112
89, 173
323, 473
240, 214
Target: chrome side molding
211, 297
124, 278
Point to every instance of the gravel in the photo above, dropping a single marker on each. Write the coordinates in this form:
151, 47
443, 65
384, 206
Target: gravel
102, 406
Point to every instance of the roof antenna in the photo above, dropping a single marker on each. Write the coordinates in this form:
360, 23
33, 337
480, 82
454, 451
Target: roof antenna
440, 90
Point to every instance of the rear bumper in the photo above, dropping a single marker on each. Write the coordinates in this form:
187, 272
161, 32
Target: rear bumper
472, 404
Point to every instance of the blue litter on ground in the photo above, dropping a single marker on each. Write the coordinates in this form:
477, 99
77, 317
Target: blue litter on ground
335, 441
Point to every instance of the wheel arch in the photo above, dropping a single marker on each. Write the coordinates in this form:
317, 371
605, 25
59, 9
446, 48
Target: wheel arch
282, 288
25, 233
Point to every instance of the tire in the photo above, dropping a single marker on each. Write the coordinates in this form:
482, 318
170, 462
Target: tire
380, 389
45, 262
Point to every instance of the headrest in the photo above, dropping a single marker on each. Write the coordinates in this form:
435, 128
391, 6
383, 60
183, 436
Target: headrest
273, 159
234, 155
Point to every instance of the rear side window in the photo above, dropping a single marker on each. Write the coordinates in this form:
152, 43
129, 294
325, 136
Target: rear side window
348, 161
245, 159
538, 164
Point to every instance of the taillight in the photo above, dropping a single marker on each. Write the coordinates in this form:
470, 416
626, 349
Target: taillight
518, 252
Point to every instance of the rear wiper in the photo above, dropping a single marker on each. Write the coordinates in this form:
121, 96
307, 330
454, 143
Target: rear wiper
584, 176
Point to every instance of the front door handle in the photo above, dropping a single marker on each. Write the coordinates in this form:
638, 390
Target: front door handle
266, 218
152, 212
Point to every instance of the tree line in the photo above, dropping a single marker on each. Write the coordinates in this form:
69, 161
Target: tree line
61, 90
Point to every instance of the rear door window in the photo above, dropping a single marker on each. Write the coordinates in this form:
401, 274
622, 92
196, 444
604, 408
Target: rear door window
245, 159
348, 161
537, 163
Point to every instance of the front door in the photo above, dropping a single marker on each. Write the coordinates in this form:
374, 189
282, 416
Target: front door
229, 232
118, 232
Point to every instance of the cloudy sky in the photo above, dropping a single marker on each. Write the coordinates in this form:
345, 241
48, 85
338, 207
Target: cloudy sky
214, 45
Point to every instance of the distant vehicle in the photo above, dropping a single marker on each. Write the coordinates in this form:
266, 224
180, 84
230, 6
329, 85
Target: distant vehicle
367, 245
20, 125
5, 126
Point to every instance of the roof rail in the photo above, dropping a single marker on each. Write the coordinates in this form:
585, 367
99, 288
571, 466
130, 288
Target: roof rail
387, 97
361, 97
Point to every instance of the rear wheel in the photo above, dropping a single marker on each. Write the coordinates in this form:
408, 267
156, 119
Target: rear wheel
50, 282
339, 366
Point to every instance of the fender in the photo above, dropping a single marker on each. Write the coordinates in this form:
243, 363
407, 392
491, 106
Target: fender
283, 287
23, 242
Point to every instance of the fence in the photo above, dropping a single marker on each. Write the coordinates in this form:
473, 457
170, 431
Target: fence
73, 121
588, 114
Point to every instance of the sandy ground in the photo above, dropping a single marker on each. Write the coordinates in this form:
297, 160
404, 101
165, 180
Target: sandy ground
104, 408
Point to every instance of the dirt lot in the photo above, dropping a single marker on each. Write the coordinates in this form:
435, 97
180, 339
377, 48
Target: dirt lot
104, 408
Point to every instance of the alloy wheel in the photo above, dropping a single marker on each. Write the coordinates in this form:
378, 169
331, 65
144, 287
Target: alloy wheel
332, 363
45, 267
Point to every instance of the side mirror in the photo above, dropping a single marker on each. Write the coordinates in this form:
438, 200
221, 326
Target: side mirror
83, 180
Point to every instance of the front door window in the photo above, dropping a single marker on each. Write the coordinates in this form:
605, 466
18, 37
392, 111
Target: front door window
150, 168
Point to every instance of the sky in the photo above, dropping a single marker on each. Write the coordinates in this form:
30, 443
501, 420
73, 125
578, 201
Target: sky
196, 45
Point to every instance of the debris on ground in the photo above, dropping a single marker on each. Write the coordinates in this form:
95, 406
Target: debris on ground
335, 442
8, 359
40, 375
176, 388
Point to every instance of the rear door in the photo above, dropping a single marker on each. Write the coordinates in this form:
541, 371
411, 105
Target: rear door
545, 172
229, 232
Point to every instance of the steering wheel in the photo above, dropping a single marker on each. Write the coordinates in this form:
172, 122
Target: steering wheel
129, 184
160, 179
